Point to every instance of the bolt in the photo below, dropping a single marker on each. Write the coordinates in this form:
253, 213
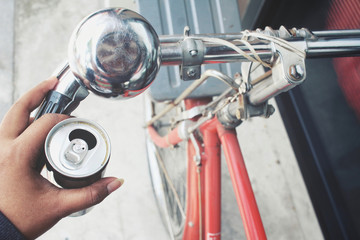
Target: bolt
193, 52
186, 31
191, 224
296, 72
191, 72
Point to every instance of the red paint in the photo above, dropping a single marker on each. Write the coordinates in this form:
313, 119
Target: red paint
212, 176
214, 135
166, 141
249, 211
344, 14
190, 103
191, 229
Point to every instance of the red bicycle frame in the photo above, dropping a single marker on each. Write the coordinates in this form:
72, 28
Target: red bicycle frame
203, 211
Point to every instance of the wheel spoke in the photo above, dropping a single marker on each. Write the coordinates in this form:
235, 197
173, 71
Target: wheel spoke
170, 184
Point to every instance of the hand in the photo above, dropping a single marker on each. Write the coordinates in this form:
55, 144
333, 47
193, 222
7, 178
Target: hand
30, 201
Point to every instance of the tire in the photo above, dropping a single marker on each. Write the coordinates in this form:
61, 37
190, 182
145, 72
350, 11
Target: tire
167, 168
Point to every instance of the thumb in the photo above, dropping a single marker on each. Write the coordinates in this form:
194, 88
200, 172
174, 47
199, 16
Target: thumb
74, 200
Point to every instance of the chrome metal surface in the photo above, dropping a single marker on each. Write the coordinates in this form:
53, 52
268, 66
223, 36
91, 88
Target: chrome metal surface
178, 37
115, 53
183, 129
66, 96
227, 116
337, 33
69, 85
171, 53
288, 71
192, 58
331, 43
296, 72
334, 47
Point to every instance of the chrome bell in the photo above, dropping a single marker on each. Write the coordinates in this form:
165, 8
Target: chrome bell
115, 52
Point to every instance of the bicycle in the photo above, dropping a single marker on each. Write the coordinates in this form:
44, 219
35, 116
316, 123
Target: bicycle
204, 121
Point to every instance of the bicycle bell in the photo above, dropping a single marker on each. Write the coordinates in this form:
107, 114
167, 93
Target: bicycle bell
115, 52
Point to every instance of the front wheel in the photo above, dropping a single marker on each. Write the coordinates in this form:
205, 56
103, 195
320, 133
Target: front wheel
168, 172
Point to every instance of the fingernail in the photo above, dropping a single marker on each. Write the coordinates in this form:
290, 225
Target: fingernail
50, 83
112, 186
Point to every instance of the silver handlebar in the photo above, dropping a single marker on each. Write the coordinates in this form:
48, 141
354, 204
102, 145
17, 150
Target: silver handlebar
285, 58
330, 43
115, 52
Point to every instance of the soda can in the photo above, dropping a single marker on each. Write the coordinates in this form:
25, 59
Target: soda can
77, 152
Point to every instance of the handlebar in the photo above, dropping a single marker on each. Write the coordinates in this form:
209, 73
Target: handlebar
318, 44
116, 53
333, 43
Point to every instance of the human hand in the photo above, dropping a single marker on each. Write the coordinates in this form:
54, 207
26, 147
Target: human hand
28, 200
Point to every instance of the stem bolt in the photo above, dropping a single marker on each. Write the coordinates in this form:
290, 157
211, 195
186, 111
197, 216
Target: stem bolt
191, 72
193, 52
296, 72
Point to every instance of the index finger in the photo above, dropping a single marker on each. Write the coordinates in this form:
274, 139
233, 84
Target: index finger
17, 118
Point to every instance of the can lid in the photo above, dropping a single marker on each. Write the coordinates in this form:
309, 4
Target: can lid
77, 148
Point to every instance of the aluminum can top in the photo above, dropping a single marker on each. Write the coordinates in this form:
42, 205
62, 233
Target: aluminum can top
77, 148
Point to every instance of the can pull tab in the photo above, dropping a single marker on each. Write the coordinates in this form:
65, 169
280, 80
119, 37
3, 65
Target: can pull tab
75, 153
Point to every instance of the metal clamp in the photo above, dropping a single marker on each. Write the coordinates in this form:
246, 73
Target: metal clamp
288, 71
197, 156
192, 57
